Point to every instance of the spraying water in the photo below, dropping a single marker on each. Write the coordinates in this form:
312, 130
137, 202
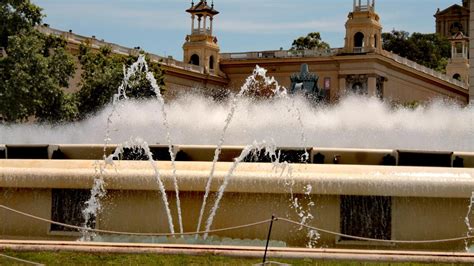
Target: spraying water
269, 150
141, 147
258, 80
467, 221
161, 101
355, 122
98, 190
302, 210
93, 205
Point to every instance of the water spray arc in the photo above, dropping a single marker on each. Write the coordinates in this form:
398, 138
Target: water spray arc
98, 190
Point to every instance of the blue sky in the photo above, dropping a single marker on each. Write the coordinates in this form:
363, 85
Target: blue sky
160, 26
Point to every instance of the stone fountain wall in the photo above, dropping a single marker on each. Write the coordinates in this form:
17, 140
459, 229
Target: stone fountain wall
425, 202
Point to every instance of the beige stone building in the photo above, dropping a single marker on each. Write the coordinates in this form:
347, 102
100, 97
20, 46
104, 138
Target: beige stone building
453, 19
453, 23
458, 66
361, 66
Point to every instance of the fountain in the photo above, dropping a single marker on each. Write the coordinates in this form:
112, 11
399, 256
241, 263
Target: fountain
397, 164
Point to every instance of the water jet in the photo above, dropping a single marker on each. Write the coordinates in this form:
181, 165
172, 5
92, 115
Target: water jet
404, 181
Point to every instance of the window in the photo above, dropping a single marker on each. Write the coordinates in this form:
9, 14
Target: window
456, 27
327, 83
211, 62
380, 87
459, 47
457, 76
369, 217
194, 60
67, 206
359, 40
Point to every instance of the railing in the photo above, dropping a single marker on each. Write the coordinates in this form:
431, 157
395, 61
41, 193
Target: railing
359, 50
177, 64
459, 55
118, 49
424, 69
202, 31
364, 8
280, 54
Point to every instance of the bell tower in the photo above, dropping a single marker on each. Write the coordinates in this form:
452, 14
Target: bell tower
363, 29
201, 48
458, 66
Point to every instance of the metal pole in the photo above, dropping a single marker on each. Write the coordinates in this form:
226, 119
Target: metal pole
268, 239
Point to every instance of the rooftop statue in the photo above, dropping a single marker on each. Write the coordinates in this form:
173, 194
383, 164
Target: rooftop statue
306, 83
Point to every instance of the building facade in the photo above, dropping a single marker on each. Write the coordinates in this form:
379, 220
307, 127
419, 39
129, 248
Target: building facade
453, 19
360, 67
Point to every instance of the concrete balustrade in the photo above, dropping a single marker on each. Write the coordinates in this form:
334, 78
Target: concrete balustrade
248, 178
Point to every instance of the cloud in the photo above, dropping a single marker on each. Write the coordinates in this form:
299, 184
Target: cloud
120, 14
163, 24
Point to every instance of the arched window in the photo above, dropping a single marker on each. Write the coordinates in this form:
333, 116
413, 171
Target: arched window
211, 62
359, 40
457, 76
194, 60
376, 41
456, 27
459, 47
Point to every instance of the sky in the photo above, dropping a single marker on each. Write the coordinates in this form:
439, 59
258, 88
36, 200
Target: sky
160, 26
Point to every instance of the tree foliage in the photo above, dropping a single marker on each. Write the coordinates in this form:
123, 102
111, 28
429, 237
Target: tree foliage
430, 50
32, 77
260, 88
35, 74
310, 42
36, 69
16, 16
103, 74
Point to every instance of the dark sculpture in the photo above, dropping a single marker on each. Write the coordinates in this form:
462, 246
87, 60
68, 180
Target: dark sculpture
306, 83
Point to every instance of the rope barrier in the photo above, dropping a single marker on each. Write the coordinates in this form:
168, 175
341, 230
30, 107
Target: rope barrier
21, 260
79, 228
378, 240
275, 219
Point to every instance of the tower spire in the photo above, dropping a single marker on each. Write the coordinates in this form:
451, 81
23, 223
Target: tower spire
201, 48
458, 65
363, 28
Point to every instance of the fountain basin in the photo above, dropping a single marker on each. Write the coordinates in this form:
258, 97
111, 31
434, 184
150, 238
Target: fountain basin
419, 203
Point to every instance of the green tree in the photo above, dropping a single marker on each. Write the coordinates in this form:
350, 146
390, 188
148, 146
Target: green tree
310, 42
32, 77
430, 50
103, 74
36, 69
15, 16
